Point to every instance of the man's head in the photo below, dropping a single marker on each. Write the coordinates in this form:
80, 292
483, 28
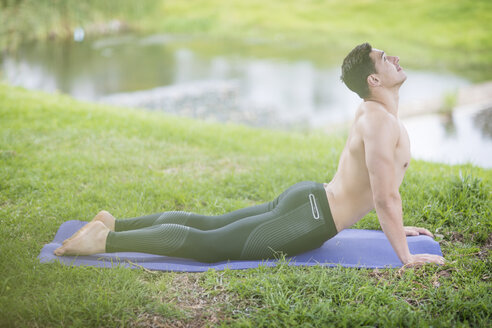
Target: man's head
366, 68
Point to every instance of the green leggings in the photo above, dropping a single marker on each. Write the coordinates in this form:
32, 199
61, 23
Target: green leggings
296, 221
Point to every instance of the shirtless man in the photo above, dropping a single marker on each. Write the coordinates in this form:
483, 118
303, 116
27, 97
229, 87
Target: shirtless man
377, 152
370, 172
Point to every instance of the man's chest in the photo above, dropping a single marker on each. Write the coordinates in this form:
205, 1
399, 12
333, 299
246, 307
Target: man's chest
402, 152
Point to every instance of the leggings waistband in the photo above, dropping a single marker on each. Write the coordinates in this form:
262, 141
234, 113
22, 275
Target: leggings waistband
320, 194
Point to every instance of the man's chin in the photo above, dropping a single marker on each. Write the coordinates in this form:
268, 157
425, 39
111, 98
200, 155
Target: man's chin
404, 76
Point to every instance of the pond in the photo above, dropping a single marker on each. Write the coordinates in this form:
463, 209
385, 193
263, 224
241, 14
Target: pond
245, 82
465, 136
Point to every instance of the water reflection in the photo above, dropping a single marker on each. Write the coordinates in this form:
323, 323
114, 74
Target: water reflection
292, 91
457, 141
448, 124
181, 76
483, 120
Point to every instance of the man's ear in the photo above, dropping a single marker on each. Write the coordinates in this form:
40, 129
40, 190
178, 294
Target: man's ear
373, 80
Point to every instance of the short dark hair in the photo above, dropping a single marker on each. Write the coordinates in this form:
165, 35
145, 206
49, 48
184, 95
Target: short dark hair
356, 67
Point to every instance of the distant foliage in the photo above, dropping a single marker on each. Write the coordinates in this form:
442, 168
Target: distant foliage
438, 35
28, 20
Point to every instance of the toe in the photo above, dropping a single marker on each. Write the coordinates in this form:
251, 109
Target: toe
59, 251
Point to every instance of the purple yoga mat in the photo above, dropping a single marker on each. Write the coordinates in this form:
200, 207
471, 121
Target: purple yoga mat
350, 248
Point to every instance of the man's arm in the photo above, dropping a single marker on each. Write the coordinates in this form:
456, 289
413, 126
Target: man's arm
381, 134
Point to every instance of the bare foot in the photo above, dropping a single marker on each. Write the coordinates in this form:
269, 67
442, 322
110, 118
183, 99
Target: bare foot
106, 218
91, 240
103, 216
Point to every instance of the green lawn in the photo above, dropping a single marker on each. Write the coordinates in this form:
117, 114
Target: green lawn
61, 160
438, 35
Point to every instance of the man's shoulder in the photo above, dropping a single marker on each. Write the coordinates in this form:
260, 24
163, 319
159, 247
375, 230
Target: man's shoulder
372, 109
372, 118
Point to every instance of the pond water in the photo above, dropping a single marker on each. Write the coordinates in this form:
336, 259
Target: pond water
239, 82
465, 136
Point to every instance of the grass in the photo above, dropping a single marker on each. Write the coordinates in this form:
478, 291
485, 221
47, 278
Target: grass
61, 159
438, 35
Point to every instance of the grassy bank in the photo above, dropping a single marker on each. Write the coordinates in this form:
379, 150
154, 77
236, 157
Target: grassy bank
62, 160
438, 35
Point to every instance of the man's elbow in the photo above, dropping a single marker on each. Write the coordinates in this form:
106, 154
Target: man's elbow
387, 201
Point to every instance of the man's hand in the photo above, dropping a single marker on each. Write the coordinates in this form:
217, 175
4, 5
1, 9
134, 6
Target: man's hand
415, 231
424, 258
416, 259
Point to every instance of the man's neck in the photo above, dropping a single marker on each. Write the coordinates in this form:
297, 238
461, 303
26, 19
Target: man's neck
389, 98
